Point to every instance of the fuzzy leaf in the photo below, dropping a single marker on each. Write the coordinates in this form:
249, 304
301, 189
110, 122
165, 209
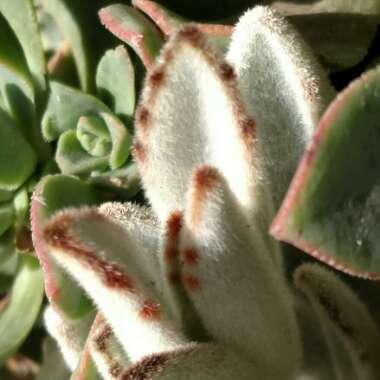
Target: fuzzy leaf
331, 298
99, 254
17, 158
143, 229
115, 80
194, 362
133, 28
21, 17
332, 208
20, 314
65, 106
226, 262
276, 70
54, 193
70, 335
317, 361
181, 127
106, 351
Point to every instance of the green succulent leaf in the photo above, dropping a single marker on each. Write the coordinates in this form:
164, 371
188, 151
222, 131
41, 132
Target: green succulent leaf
54, 193
65, 106
93, 134
340, 39
7, 245
277, 70
17, 158
132, 27
19, 315
78, 23
72, 158
115, 80
17, 90
6, 216
21, 16
21, 207
98, 142
336, 305
332, 208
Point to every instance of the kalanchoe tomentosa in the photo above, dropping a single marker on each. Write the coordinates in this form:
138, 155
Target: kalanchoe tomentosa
194, 287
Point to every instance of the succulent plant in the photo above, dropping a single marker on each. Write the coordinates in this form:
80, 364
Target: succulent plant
42, 62
233, 124
193, 286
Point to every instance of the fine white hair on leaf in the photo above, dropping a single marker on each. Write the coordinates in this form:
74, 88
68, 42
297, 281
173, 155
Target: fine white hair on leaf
70, 335
224, 262
283, 87
100, 255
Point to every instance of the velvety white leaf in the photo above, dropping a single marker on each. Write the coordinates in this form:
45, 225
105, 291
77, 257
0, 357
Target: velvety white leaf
357, 336
106, 262
70, 335
143, 228
239, 294
284, 90
194, 362
191, 114
106, 351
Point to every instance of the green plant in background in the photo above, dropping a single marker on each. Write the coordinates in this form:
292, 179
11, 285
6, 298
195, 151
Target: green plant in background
193, 287
61, 113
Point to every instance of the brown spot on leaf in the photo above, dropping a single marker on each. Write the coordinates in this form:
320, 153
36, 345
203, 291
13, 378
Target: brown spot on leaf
191, 256
147, 368
57, 235
142, 117
101, 339
191, 282
138, 151
191, 34
150, 310
227, 71
174, 278
173, 227
248, 128
157, 78
205, 179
